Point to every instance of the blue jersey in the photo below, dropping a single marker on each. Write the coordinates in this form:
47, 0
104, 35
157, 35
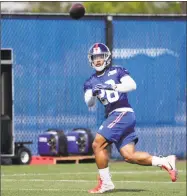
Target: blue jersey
111, 99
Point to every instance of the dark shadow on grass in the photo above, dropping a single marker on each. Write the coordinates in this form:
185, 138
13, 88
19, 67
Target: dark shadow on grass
127, 190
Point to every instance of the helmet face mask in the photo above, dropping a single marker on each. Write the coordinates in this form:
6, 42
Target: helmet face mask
99, 51
97, 56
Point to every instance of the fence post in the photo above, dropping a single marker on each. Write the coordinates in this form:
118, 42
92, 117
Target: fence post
183, 7
109, 33
109, 43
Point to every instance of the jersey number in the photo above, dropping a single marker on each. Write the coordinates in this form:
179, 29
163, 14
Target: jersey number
111, 96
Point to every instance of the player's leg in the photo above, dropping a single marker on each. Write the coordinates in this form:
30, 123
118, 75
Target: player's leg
143, 158
104, 137
101, 157
132, 156
126, 146
99, 148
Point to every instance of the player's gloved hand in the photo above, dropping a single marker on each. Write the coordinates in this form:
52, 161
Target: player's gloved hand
105, 86
95, 91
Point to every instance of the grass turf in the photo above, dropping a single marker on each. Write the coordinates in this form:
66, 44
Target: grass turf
72, 179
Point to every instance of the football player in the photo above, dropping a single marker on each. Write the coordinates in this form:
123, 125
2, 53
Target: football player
110, 85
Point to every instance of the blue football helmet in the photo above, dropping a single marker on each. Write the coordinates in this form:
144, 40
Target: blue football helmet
102, 51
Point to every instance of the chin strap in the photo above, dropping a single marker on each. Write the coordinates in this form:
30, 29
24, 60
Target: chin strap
103, 66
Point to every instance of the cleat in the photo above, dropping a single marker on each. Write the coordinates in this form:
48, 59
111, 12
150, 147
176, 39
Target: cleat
170, 167
101, 187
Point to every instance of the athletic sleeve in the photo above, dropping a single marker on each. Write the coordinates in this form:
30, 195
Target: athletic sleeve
88, 97
87, 85
122, 72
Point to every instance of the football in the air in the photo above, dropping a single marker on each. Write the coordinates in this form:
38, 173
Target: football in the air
77, 11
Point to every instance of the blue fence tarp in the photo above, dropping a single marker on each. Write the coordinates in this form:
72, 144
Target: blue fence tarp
51, 65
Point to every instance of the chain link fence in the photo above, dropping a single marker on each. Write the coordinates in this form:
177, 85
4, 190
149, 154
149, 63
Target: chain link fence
50, 67
154, 53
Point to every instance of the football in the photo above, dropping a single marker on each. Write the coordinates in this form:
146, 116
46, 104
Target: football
77, 11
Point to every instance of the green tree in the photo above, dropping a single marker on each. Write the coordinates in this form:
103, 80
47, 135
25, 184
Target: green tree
133, 7
112, 7
50, 7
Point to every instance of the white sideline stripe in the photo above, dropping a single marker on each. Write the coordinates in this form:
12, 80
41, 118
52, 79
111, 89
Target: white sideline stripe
72, 190
121, 181
82, 173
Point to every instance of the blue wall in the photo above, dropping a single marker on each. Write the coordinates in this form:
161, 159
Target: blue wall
154, 51
50, 67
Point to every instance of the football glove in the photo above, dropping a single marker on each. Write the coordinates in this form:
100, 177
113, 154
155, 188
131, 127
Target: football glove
105, 86
95, 91
98, 87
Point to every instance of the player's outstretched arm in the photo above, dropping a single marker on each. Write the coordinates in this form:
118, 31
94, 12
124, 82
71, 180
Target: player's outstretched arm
127, 85
89, 98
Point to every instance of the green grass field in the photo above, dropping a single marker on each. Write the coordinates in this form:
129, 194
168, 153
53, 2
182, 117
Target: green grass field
72, 179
